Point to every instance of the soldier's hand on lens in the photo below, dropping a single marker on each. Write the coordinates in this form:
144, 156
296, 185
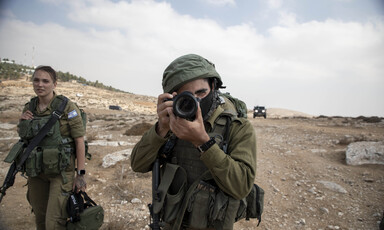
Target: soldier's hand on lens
164, 107
79, 184
192, 131
27, 115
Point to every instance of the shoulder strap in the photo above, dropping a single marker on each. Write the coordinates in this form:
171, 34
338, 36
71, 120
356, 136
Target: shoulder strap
221, 128
88, 201
56, 114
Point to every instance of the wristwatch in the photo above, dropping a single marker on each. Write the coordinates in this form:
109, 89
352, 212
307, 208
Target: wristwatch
81, 172
204, 147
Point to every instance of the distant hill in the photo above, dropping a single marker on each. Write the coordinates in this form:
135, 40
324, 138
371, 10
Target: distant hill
9, 70
281, 113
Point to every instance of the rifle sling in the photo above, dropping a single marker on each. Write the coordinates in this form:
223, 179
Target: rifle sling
40, 136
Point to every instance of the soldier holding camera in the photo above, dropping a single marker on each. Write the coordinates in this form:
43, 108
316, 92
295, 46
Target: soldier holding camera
207, 152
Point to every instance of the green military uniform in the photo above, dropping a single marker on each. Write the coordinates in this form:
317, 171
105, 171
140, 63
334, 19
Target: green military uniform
233, 173
48, 194
208, 190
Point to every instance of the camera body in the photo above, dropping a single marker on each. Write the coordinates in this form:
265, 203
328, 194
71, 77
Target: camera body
185, 105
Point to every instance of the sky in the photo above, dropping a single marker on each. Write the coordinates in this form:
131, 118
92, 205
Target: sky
317, 57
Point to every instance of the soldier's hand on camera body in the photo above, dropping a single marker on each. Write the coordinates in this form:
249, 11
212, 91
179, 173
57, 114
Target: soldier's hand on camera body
164, 107
192, 131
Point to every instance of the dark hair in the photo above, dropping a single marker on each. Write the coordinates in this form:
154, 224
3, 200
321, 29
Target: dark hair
47, 69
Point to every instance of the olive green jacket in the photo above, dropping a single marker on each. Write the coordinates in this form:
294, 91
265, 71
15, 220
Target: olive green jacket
234, 172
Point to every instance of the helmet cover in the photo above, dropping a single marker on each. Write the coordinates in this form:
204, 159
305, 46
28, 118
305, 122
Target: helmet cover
188, 68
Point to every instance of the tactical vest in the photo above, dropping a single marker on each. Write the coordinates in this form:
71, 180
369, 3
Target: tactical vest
53, 154
188, 157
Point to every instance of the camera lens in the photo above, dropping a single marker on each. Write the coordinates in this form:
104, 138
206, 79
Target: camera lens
185, 105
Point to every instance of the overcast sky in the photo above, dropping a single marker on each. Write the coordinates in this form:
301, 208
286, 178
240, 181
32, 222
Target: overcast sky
318, 57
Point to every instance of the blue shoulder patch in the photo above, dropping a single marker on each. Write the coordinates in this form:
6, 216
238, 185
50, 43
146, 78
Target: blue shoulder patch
72, 114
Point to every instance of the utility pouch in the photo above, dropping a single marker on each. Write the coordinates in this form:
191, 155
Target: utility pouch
242, 211
33, 165
255, 201
225, 211
172, 189
25, 129
200, 206
15, 151
65, 160
174, 197
51, 161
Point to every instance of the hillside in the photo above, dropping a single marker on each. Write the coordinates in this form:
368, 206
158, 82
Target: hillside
299, 156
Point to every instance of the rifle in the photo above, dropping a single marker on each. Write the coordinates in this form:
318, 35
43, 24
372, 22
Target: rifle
15, 168
9, 180
165, 154
155, 195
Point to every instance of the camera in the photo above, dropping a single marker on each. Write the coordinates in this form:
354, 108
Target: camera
185, 105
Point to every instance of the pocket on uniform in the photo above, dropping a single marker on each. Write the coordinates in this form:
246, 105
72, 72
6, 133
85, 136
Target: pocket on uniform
24, 129
33, 165
242, 211
200, 206
225, 211
174, 198
63, 199
255, 203
51, 159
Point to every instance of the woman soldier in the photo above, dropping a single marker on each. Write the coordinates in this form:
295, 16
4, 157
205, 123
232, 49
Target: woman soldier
51, 165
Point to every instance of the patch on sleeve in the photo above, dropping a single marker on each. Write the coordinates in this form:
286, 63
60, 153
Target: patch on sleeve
72, 114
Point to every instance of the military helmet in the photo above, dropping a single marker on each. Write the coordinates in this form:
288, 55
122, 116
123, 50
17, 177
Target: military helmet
188, 68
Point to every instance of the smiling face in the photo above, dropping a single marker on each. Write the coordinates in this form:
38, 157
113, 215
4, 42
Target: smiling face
43, 84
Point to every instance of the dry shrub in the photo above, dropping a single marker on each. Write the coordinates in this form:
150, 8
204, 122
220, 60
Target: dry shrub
372, 119
138, 129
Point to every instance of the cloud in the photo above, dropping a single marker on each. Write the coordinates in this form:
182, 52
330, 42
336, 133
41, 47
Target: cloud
6, 14
304, 66
274, 4
221, 2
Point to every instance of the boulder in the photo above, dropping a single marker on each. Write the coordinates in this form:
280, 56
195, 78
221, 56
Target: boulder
112, 158
365, 152
333, 186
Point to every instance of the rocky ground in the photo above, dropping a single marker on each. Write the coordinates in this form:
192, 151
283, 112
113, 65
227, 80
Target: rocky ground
301, 164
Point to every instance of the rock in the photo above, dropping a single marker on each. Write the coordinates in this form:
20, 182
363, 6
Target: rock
135, 201
7, 126
324, 210
318, 150
333, 186
113, 158
365, 152
104, 143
